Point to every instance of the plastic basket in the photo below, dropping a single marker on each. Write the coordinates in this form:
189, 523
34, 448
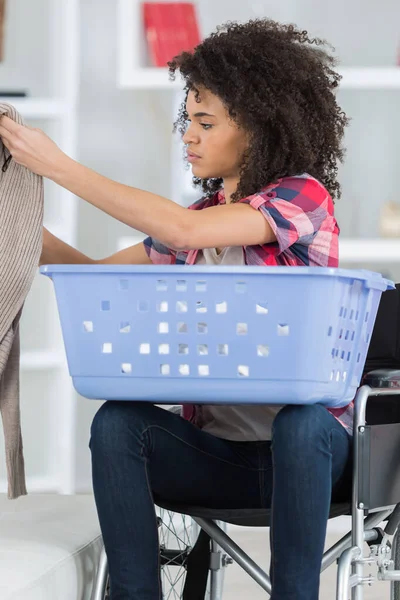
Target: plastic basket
235, 335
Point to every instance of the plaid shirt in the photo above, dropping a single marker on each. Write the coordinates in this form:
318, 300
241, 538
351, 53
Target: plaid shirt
300, 212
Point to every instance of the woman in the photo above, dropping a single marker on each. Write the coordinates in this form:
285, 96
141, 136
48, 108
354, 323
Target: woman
263, 134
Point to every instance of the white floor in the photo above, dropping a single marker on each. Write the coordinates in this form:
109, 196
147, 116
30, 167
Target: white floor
239, 586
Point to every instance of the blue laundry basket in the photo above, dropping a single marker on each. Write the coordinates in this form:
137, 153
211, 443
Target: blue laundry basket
234, 335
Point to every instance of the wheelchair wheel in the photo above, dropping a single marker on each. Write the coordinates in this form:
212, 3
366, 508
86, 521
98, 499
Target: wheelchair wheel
395, 585
177, 534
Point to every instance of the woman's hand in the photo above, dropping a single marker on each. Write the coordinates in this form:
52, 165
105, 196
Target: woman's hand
32, 148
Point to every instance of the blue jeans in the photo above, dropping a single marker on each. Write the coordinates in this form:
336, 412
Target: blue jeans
140, 451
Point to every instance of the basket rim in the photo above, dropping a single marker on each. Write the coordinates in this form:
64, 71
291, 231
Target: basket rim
372, 278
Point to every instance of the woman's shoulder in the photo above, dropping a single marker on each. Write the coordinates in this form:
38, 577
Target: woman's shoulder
304, 183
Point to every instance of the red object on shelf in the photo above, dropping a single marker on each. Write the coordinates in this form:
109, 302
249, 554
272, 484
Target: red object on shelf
170, 27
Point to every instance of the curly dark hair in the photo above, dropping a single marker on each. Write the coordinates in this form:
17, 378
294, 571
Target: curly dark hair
279, 84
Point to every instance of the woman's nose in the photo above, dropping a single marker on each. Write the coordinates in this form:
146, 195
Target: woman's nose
189, 136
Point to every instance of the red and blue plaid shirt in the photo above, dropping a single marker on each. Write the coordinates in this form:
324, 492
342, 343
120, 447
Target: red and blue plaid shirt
300, 212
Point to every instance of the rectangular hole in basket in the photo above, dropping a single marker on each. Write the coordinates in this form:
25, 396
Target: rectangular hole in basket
353, 335
223, 349
262, 308
330, 330
165, 369
367, 338
204, 370
163, 349
161, 285
221, 308
357, 315
341, 311
123, 284
348, 356
182, 327
344, 376
344, 313
242, 329
201, 307
126, 368
143, 306
105, 305
351, 314
88, 326
342, 355
341, 334
184, 370
202, 349
262, 350
358, 357
107, 348
333, 352
366, 317
243, 371
162, 307
283, 329
337, 352
202, 328
181, 285
338, 376
183, 349
181, 306
346, 337
201, 286
240, 287
124, 327
163, 327
332, 377
144, 348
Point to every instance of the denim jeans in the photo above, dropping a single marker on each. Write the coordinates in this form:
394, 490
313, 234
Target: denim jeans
140, 451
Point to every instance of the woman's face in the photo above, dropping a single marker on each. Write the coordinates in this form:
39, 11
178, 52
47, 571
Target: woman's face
215, 143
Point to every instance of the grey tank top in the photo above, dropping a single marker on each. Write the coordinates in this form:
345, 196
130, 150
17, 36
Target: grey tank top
236, 423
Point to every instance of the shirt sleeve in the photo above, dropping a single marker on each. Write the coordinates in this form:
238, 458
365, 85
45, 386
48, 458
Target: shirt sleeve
296, 208
158, 253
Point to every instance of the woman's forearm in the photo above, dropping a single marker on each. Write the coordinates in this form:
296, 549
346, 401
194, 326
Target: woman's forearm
146, 212
57, 252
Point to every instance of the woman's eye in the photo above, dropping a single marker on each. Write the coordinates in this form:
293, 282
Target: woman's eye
206, 126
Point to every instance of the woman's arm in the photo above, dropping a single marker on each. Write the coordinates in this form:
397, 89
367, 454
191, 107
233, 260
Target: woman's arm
176, 227
55, 251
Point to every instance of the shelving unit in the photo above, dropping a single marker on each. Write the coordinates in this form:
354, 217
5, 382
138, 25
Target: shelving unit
132, 74
58, 111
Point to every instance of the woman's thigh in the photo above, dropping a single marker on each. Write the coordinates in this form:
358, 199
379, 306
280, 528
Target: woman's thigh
183, 463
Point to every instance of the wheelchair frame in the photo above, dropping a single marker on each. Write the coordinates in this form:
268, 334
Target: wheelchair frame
374, 500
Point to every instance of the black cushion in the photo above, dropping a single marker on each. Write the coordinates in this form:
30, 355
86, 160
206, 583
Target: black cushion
248, 517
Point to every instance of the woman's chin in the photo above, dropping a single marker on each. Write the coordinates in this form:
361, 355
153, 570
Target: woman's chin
197, 171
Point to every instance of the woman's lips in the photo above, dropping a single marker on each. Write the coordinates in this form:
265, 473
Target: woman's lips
192, 157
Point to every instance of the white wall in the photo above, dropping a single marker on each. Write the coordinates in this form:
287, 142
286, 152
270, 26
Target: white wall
126, 135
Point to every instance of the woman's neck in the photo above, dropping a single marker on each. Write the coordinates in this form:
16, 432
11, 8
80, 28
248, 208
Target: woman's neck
230, 187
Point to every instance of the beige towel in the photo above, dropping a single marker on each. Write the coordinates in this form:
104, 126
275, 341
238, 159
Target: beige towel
21, 220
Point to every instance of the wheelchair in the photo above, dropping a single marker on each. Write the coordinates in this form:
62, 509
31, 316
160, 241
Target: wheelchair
375, 501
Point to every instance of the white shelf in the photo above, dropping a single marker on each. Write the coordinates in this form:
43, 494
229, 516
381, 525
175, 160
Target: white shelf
369, 250
354, 78
39, 108
149, 78
371, 78
41, 360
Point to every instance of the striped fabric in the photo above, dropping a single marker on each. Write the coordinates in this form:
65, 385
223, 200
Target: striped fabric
301, 213
21, 219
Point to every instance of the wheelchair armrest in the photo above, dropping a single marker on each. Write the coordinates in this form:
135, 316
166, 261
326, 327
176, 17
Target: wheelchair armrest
382, 378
